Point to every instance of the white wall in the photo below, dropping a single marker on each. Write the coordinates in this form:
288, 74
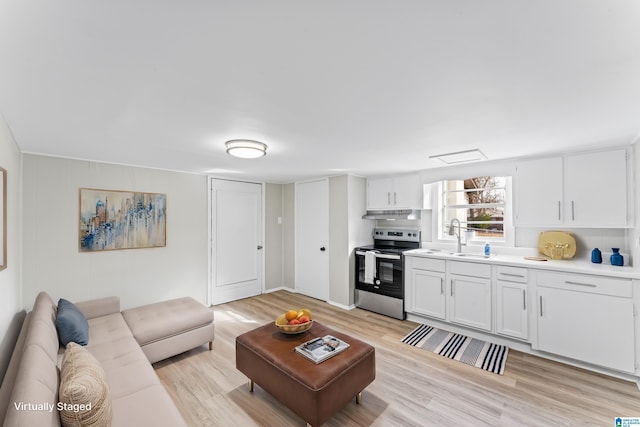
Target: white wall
273, 248
53, 263
288, 235
360, 231
347, 230
338, 241
10, 303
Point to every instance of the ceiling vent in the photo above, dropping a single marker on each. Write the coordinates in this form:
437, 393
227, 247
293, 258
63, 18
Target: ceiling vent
460, 157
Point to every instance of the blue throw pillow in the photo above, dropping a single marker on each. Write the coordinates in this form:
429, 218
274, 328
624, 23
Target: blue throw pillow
71, 324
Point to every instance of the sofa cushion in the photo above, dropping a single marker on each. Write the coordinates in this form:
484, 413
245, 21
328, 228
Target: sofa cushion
71, 324
133, 409
84, 394
154, 322
42, 327
125, 365
106, 329
35, 393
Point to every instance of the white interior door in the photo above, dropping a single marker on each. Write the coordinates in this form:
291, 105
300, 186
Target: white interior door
312, 239
236, 241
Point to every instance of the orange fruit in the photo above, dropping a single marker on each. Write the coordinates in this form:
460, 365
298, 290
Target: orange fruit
291, 314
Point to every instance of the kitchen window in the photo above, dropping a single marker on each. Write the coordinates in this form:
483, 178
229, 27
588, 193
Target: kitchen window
482, 205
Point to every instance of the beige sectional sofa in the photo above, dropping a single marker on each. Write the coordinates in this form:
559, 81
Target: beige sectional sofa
29, 395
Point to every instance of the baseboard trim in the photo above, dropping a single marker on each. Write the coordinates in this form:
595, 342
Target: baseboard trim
342, 306
279, 288
293, 291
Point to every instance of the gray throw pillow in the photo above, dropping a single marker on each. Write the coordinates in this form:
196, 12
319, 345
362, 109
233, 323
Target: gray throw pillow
71, 324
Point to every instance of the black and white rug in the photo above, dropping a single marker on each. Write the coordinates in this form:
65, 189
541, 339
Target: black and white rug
481, 354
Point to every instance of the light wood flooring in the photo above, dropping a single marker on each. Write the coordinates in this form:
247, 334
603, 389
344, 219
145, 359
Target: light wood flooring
413, 387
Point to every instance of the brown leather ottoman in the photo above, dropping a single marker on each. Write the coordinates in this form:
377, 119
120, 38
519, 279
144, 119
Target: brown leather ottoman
313, 391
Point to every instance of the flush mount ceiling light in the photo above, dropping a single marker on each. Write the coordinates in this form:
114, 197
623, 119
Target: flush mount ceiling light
460, 157
246, 148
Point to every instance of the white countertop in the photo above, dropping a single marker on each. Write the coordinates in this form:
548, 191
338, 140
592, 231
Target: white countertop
569, 266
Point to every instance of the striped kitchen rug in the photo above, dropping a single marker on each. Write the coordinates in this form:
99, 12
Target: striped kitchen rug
478, 353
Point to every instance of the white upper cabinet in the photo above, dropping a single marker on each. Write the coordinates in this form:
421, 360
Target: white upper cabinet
539, 192
578, 190
399, 192
596, 189
379, 193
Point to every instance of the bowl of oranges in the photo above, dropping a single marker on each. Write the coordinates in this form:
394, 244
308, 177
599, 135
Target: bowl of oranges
294, 321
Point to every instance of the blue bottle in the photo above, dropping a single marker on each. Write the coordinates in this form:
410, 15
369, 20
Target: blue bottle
616, 257
596, 256
487, 250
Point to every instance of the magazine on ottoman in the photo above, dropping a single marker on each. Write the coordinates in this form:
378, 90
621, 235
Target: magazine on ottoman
321, 348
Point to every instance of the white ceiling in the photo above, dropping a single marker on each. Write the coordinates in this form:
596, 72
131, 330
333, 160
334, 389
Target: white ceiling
360, 86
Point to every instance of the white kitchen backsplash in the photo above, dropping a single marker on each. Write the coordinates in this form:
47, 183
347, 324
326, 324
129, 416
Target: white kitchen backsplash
526, 242
586, 240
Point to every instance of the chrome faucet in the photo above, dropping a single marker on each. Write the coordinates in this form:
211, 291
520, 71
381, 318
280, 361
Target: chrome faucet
452, 232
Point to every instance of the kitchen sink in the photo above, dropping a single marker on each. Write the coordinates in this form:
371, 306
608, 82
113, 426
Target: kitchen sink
468, 255
434, 251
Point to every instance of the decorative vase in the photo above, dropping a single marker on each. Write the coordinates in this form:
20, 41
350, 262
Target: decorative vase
596, 256
616, 258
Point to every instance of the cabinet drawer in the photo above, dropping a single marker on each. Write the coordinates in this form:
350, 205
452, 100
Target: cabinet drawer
512, 274
428, 264
586, 283
470, 269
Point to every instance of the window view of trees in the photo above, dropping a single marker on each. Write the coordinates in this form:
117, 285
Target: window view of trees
478, 203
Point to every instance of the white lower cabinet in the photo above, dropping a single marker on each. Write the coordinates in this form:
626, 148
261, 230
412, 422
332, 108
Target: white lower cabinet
512, 310
428, 293
587, 318
426, 287
512, 302
471, 302
470, 295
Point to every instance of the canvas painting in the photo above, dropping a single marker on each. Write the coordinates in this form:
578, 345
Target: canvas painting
111, 219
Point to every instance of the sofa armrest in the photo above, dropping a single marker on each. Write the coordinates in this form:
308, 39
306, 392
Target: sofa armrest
99, 307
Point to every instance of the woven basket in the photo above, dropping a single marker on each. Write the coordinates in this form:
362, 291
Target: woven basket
281, 324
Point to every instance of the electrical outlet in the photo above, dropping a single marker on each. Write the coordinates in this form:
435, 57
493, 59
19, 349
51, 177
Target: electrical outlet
279, 220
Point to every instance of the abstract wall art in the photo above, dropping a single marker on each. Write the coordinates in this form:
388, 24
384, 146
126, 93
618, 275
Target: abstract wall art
111, 219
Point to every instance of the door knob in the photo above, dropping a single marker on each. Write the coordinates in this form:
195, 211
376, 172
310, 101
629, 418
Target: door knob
259, 247
323, 249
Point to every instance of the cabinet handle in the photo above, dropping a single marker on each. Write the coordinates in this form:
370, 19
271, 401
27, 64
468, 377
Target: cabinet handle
395, 198
559, 211
524, 300
540, 305
591, 285
573, 211
453, 282
512, 275
441, 286
388, 197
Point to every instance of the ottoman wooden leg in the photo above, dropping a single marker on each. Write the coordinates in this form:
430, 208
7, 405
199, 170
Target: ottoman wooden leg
359, 398
210, 345
251, 386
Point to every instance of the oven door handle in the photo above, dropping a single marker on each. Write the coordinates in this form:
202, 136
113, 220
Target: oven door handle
382, 256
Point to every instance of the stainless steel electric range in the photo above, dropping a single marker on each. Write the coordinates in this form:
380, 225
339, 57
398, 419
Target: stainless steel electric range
380, 271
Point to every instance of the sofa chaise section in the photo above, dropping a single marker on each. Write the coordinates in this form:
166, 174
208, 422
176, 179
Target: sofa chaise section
137, 396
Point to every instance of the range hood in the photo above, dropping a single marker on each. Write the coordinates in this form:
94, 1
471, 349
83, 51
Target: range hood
393, 214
